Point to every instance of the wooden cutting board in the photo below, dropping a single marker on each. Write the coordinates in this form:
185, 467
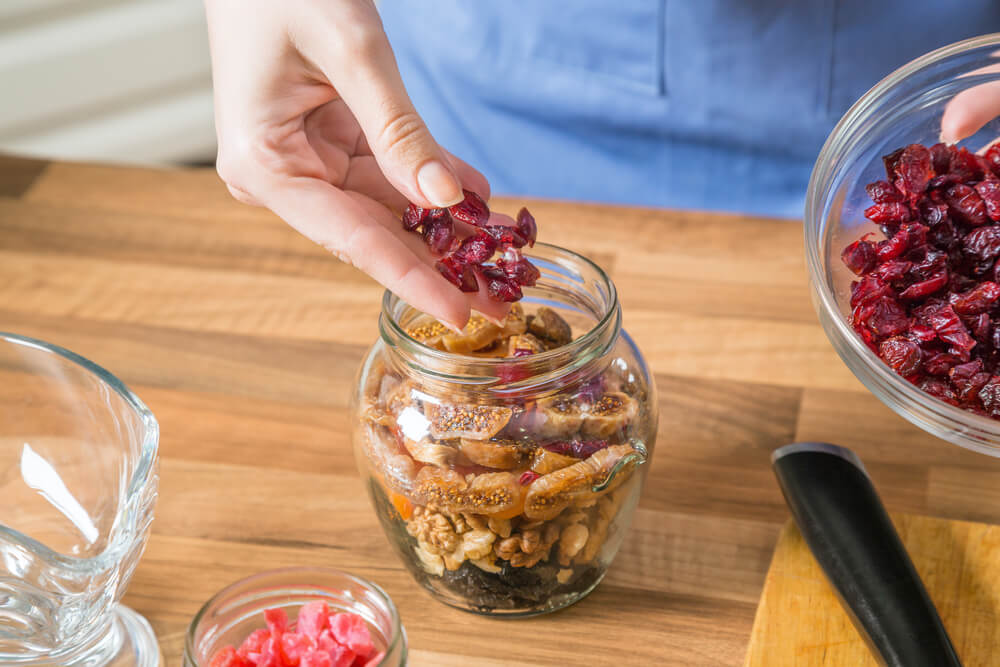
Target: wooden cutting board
800, 623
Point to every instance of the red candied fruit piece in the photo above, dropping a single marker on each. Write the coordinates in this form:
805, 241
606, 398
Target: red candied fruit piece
277, 620
989, 191
527, 477
860, 256
977, 300
472, 210
294, 645
891, 212
476, 249
516, 267
989, 395
883, 192
458, 274
313, 618
352, 631
228, 657
966, 205
414, 216
902, 355
439, 234
254, 643
375, 660
316, 658
527, 227
499, 287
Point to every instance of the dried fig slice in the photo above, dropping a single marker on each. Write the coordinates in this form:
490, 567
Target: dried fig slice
476, 335
489, 493
559, 418
515, 323
550, 494
428, 331
499, 454
396, 469
608, 415
549, 326
477, 422
543, 461
426, 450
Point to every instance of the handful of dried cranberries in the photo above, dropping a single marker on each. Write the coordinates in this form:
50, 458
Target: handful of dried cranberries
928, 298
464, 262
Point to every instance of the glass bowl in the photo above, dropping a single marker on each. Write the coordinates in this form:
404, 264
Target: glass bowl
506, 481
78, 482
904, 108
237, 610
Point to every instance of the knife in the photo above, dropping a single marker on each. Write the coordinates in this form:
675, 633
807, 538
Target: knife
843, 521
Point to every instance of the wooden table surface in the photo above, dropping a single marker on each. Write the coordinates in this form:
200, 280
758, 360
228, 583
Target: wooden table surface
243, 338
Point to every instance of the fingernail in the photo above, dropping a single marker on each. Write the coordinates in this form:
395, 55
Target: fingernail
454, 327
439, 185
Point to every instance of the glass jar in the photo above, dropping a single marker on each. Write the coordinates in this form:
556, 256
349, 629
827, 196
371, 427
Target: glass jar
78, 483
904, 108
237, 610
505, 467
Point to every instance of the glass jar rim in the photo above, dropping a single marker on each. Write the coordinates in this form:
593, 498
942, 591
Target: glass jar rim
117, 545
594, 342
975, 430
395, 620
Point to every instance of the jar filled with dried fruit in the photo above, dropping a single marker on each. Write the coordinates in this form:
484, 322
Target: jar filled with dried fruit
505, 462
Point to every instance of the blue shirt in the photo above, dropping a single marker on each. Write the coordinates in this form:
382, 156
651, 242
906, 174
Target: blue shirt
699, 104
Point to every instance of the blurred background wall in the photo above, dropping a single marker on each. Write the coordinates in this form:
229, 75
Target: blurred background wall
113, 80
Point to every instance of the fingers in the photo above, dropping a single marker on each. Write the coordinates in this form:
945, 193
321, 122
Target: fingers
971, 109
471, 178
331, 218
359, 62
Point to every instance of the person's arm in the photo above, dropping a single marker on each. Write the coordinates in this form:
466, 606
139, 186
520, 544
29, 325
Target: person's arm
314, 123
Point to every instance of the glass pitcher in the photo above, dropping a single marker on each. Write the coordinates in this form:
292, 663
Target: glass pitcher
78, 480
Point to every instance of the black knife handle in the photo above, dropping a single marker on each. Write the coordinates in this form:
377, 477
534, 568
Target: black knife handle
845, 525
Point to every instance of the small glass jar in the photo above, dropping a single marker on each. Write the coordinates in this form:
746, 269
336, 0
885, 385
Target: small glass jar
237, 610
505, 467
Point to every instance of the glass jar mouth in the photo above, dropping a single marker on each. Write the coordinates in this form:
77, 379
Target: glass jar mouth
887, 102
273, 583
136, 488
566, 276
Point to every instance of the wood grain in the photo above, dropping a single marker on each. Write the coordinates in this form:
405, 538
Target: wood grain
800, 623
244, 339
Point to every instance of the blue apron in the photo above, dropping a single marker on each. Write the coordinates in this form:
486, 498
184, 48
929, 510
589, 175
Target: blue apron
698, 104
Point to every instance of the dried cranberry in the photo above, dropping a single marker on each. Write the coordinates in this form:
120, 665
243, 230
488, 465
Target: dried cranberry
925, 288
982, 244
505, 236
989, 191
892, 271
939, 389
885, 318
517, 268
472, 210
889, 212
883, 192
499, 287
902, 355
966, 205
580, 449
992, 159
989, 395
977, 300
859, 256
912, 170
980, 327
941, 157
965, 166
526, 226
968, 379
459, 274
477, 248
413, 217
867, 290
527, 477
940, 363
439, 233
942, 318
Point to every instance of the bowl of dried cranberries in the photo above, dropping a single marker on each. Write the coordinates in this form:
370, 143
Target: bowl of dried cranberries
902, 236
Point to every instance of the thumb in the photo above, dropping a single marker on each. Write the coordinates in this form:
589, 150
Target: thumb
367, 78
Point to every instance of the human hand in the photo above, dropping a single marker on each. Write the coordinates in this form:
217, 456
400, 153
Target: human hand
967, 112
314, 123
